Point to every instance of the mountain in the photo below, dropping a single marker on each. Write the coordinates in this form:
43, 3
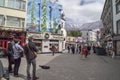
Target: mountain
86, 26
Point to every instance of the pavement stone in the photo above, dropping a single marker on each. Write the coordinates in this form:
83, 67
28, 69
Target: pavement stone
68, 66
42, 59
74, 67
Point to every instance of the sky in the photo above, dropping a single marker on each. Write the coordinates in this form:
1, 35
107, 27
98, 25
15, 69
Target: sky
82, 11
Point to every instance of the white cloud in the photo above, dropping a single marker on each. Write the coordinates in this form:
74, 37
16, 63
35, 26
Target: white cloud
82, 13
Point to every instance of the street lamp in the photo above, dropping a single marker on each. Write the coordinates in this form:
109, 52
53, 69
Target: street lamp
39, 15
50, 11
50, 16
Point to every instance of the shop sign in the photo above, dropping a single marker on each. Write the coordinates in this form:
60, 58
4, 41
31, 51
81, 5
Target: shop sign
58, 38
37, 36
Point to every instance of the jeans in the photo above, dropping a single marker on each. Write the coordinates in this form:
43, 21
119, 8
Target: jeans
17, 65
9, 63
33, 62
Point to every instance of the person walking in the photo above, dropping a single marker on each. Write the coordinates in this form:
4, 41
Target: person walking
53, 49
68, 47
17, 56
113, 52
30, 51
79, 49
84, 51
73, 49
88, 48
10, 55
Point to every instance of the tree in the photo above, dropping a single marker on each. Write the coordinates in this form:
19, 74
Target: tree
74, 33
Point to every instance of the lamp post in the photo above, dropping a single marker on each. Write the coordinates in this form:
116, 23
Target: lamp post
39, 16
50, 12
51, 9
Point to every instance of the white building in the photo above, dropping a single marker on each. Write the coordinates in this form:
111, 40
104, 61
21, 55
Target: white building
90, 36
63, 31
116, 24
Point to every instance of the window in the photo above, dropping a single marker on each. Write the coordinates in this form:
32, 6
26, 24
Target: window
1, 20
11, 3
118, 26
118, 7
17, 4
23, 6
1, 2
15, 22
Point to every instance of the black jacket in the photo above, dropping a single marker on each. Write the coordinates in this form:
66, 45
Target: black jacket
10, 48
27, 52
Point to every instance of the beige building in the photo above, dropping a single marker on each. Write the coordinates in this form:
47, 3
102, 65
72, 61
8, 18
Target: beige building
12, 21
13, 14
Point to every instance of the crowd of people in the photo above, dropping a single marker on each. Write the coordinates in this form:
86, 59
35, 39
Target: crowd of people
84, 50
16, 51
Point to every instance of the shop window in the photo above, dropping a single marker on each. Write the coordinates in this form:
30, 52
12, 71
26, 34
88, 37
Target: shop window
118, 26
2, 2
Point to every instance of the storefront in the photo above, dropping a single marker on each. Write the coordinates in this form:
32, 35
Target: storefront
116, 41
44, 41
6, 35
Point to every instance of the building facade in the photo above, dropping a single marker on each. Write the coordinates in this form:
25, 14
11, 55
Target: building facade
12, 21
107, 20
52, 32
116, 25
47, 19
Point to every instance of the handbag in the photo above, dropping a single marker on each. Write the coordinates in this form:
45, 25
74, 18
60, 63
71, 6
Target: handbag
33, 52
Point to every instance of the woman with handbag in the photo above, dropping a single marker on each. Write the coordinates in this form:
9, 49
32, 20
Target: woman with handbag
17, 57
